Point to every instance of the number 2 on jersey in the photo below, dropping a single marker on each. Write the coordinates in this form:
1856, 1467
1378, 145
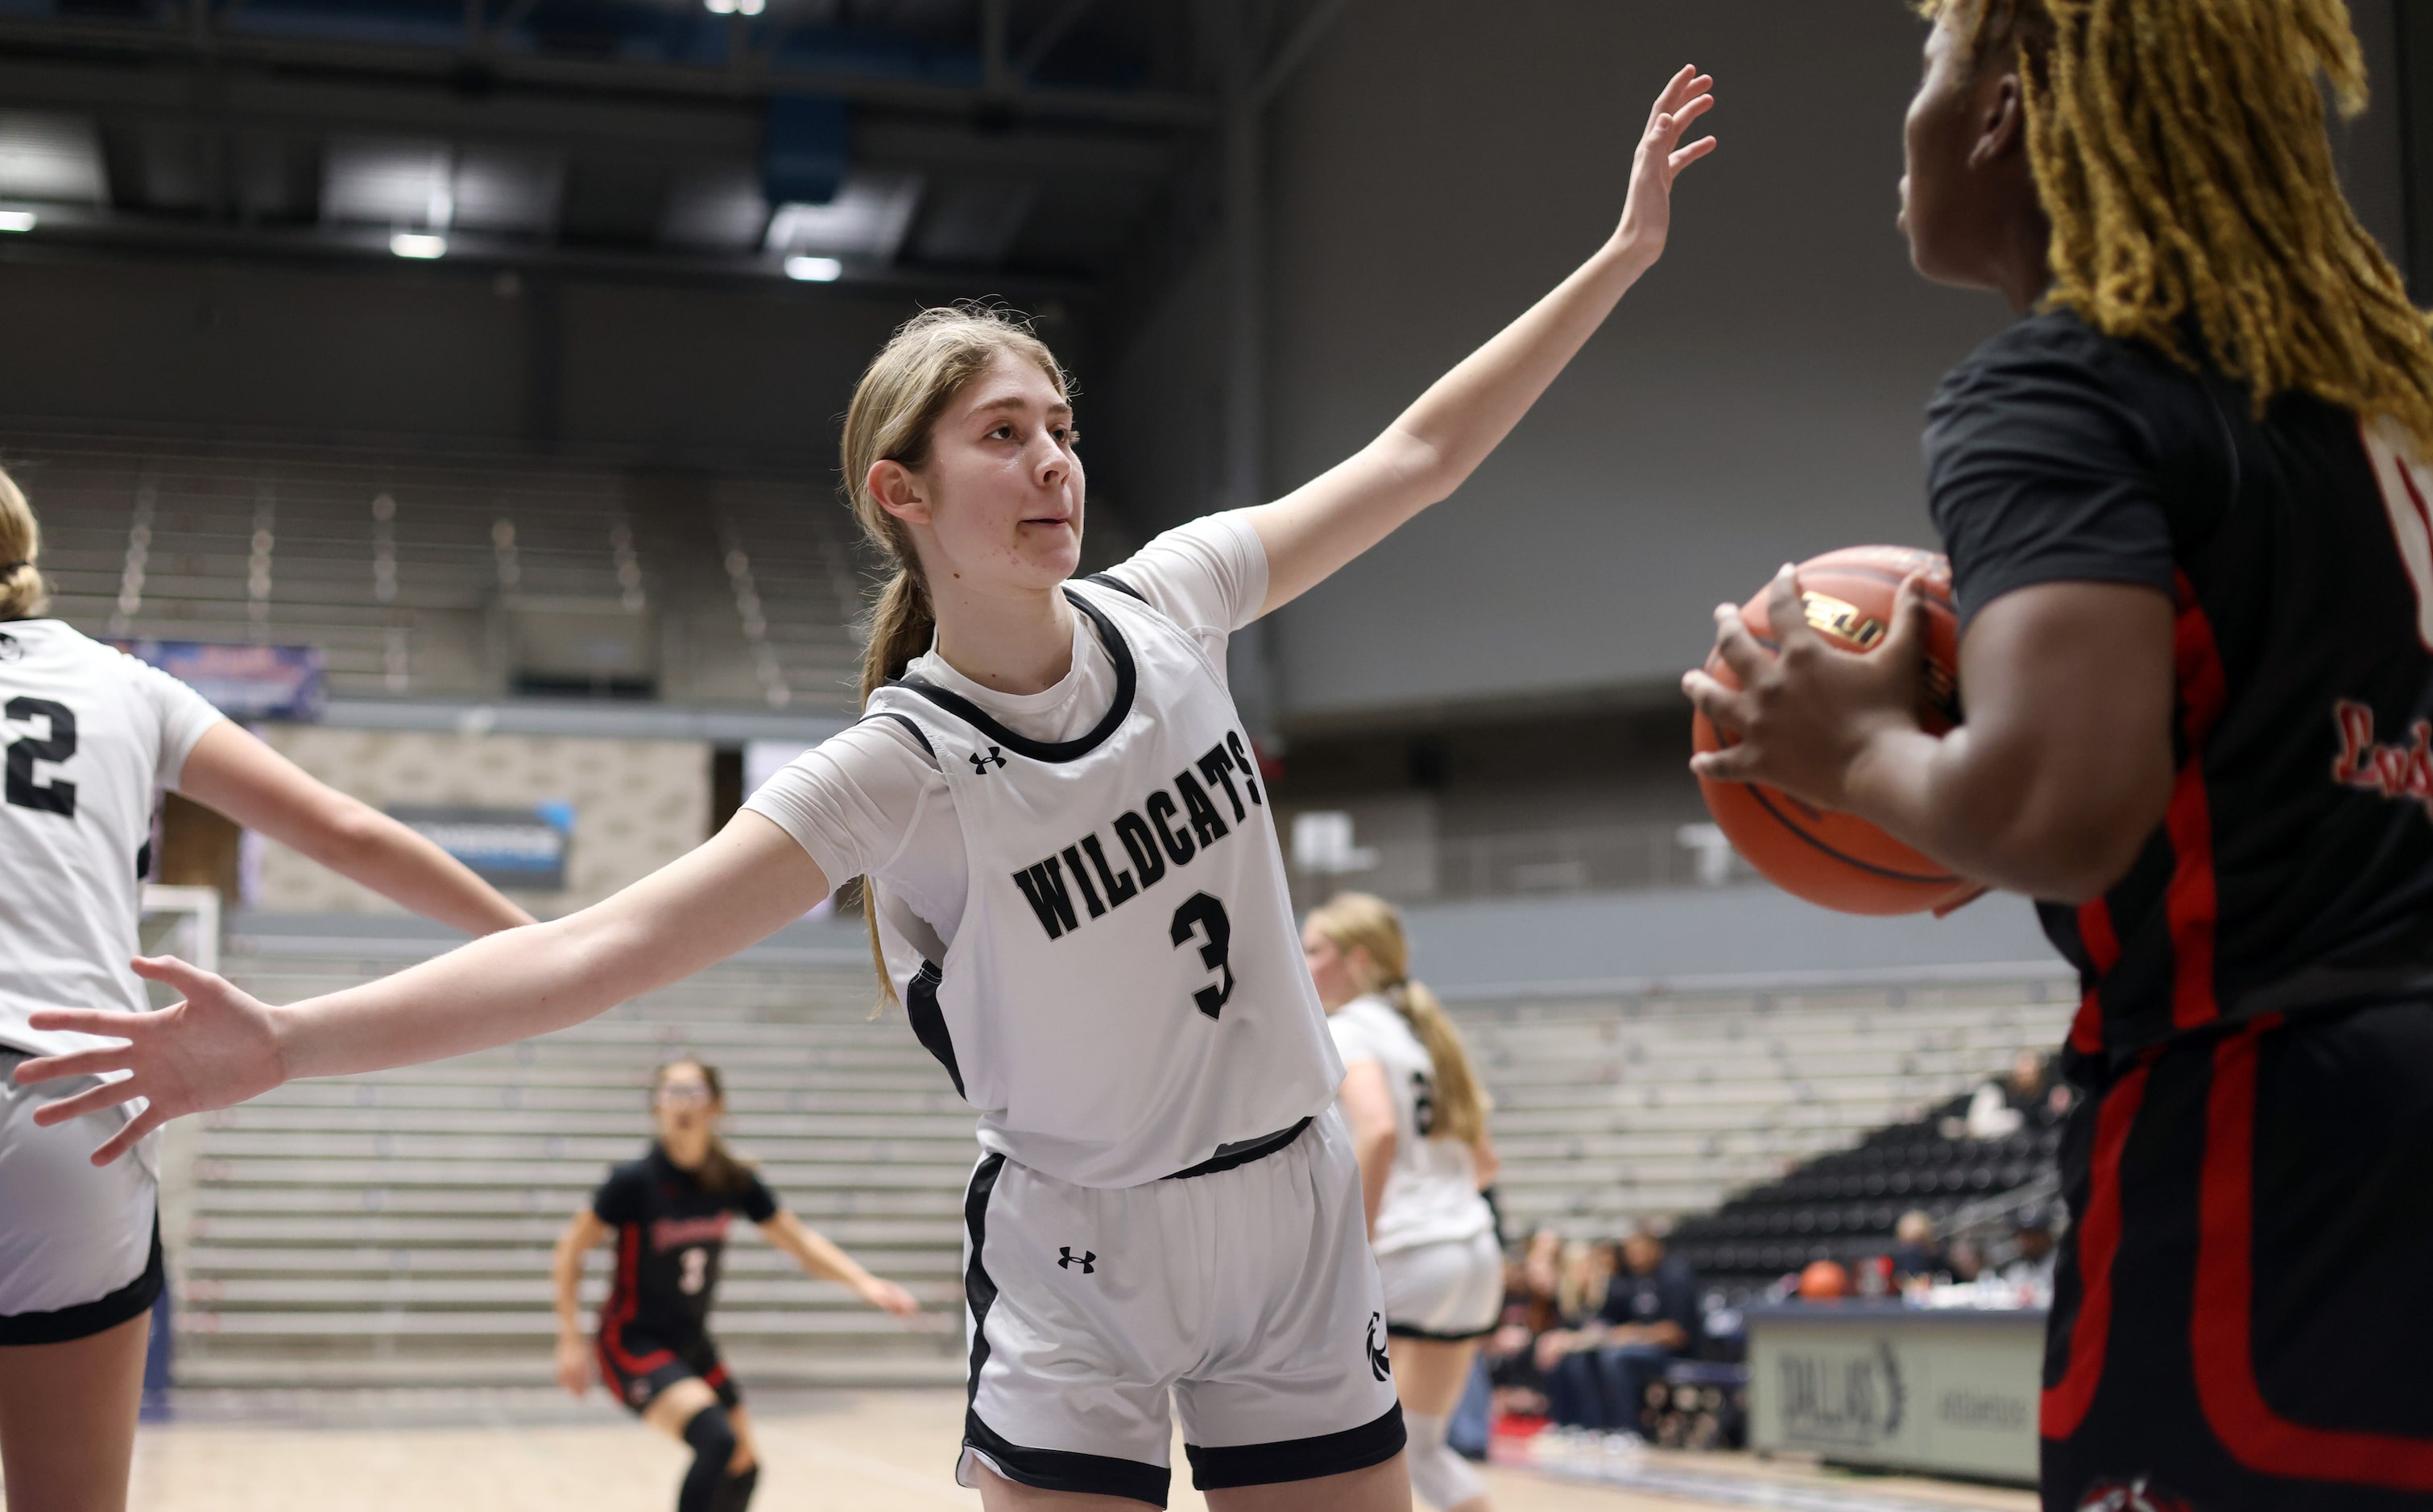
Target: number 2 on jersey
59, 796
1203, 915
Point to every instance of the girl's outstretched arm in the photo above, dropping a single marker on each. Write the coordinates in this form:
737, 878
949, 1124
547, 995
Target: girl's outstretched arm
819, 1256
221, 1047
1436, 443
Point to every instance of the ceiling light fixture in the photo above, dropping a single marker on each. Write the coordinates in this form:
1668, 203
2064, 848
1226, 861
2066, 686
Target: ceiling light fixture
418, 244
815, 269
733, 8
18, 220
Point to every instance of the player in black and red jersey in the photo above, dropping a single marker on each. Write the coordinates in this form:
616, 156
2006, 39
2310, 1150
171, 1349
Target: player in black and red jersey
2193, 554
669, 1212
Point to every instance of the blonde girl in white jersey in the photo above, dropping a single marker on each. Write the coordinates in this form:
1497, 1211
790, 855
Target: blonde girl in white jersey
90, 734
1418, 1119
1080, 899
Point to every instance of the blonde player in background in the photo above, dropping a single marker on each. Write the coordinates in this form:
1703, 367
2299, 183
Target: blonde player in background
1418, 1118
90, 734
1078, 895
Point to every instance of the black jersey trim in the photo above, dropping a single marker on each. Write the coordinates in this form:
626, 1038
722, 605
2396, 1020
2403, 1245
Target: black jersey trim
1412, 1331
1067, 1470
929, 1022
101, 1315
911, 724
1127, 680
1373, 1443
1108, 580
979, 1288
1243, 1153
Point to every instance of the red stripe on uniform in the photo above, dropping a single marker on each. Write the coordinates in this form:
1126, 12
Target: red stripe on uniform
2103, 946
2064, 1405
2219, 1332
2190, 903
622, 1303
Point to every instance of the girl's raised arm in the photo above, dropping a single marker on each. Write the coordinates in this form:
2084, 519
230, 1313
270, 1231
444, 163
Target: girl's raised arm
221, 1047
1436, 443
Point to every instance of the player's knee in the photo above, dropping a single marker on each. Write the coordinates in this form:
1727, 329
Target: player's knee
712, 1436
1440, 1477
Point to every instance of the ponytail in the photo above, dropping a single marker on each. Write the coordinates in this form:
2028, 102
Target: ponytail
1462, 1105
893, 417
1355, 920
901, 627
22, 593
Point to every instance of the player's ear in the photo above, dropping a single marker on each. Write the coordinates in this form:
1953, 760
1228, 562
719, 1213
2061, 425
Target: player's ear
898, 490
2002, 119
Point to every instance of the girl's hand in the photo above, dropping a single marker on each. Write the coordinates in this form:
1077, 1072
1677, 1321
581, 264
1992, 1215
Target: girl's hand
1805, 714
573, 1365
218, 1048
888, 1297
1648, 216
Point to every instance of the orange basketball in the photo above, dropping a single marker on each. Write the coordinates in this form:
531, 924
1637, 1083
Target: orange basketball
1837, 860
1824, 1281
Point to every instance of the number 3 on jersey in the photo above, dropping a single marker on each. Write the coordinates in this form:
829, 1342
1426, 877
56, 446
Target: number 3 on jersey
1201, 916
58, 743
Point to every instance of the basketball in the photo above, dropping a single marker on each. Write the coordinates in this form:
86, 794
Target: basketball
1824, 1281
1835, 859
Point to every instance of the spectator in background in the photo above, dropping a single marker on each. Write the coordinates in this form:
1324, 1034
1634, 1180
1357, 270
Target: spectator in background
1598, 1373
1962, 1260
1913, 1246
2032, 1267
1531, 1305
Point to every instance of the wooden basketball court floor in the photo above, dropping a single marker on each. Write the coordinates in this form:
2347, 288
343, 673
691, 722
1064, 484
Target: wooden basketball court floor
883, 1450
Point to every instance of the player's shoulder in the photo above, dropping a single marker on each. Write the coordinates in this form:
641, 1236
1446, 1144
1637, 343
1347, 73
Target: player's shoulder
2050, 354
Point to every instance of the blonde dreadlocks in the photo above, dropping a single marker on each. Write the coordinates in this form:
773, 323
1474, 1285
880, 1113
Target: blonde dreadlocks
2180, 151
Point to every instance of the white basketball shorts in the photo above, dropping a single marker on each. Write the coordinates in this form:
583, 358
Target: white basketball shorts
1243, 1290
80, 1247
1452, 1289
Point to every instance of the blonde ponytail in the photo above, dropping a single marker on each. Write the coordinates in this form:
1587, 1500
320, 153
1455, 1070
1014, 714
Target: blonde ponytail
1461, 1104
22, 593
1355, 920
893, 417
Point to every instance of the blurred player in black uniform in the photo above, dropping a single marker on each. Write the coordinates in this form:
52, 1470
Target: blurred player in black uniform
2192, 545
667, 1213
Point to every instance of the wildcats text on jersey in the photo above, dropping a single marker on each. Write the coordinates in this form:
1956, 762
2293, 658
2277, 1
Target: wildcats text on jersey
1159, 830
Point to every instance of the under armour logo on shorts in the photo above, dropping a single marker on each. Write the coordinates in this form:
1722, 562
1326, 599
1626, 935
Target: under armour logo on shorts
980, 763
1377, 1360
1068, 1259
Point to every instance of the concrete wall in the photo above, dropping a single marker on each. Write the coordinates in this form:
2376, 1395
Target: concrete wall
637, 804
1439, 164
384, 351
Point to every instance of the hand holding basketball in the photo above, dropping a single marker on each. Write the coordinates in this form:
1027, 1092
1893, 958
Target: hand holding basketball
1803, 714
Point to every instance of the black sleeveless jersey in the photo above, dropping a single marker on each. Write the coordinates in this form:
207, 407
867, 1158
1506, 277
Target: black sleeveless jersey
670, 1235
2294, 867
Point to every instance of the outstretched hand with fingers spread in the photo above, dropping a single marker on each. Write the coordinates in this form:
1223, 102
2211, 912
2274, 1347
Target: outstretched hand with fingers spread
215, 1048
1648, 216
1805, 713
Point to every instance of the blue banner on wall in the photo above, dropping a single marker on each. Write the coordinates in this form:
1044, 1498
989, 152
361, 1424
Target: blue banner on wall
241, 682
520, 848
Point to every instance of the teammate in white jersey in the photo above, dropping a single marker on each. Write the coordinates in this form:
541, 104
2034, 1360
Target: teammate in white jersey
90, 735
1419, 1128
1078, 895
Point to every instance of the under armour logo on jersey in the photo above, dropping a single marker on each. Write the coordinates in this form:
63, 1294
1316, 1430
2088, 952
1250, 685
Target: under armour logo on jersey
1377, 1361
980, 763
1067, 1259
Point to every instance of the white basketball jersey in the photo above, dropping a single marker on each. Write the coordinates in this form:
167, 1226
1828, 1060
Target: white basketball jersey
1125, 993
87, 733
1431, 1192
